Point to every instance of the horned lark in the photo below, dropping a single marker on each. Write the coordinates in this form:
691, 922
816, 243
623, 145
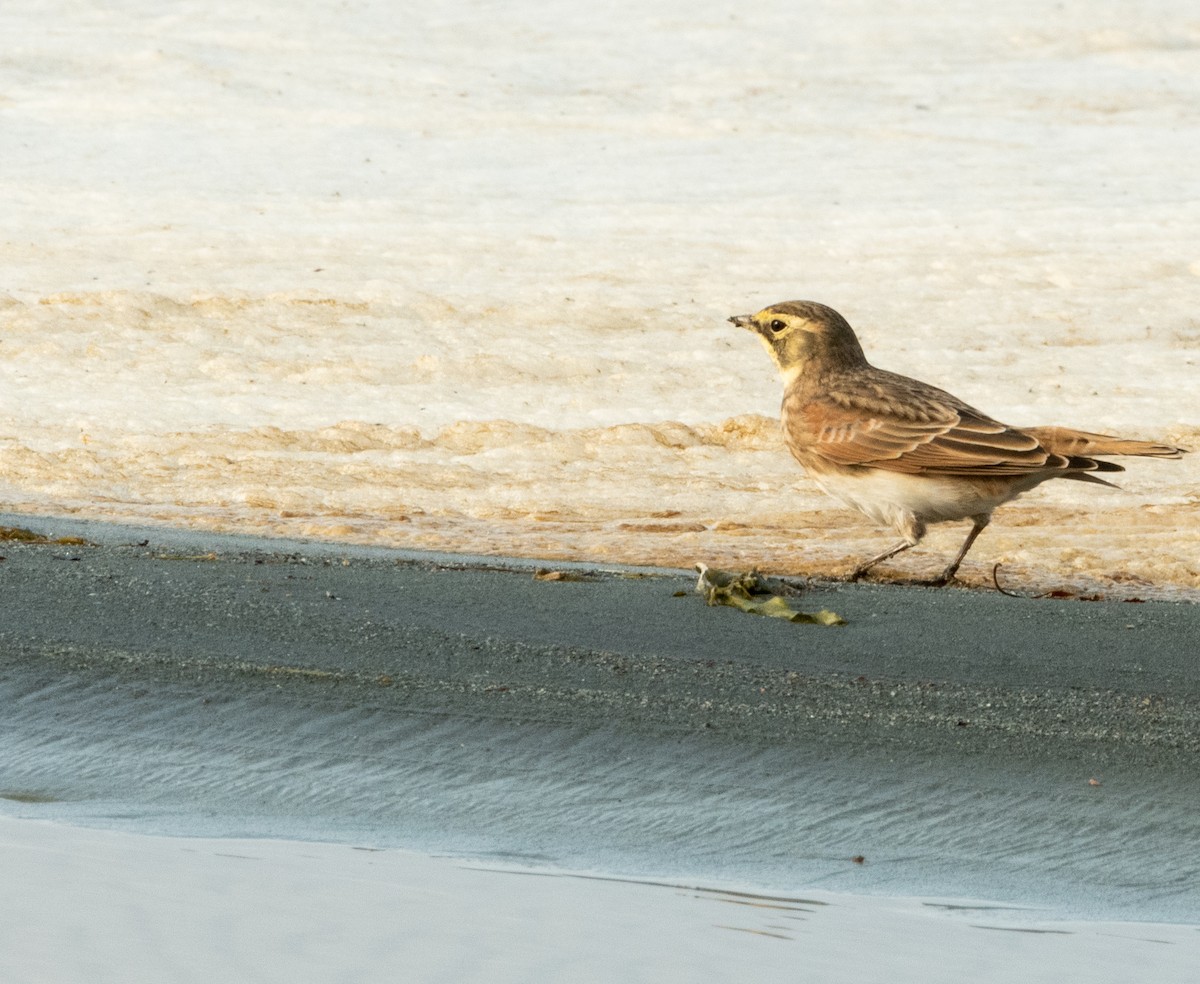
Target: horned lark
903, 452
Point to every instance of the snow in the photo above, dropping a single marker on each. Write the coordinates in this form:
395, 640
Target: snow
232, 227
457, 277
101, 906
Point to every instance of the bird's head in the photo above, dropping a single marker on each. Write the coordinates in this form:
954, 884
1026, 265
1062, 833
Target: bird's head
802, 336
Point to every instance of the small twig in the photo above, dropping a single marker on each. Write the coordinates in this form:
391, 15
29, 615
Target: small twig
1005, 591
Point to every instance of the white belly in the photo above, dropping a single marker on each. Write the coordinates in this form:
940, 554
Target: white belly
895, 499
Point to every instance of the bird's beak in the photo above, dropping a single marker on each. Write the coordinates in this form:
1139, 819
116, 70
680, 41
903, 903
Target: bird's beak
743, 321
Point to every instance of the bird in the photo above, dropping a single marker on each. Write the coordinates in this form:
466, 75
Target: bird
903, 452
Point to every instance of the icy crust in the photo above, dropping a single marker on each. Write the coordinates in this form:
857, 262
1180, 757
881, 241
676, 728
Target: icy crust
460, 278
229, 414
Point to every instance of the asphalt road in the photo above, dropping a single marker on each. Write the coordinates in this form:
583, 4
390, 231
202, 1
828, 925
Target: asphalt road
923, 669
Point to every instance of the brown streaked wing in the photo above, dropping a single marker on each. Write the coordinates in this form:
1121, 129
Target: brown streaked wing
964, 442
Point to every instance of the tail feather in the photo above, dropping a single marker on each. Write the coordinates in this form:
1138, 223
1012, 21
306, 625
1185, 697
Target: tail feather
1083, 476
1073, 443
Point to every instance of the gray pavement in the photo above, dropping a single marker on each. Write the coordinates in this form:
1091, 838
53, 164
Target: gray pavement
928, 668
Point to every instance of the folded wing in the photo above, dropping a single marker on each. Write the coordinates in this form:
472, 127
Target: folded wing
946, 438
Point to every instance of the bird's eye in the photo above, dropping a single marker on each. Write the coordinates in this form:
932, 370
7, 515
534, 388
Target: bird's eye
777, 326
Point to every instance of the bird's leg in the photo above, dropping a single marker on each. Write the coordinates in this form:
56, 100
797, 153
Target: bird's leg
948, 574
862, 568
911, 528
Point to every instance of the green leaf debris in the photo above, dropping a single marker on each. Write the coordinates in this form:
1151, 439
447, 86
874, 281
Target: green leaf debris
751, 592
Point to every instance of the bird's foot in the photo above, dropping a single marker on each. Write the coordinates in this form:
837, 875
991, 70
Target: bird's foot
901, 582
861, 573
946, 577
858, 574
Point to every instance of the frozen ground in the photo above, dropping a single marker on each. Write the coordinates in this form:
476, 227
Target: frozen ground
458, 278
283, 911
